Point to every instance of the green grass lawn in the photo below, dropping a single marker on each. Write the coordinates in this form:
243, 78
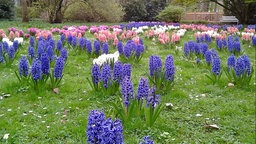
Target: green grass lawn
62, 118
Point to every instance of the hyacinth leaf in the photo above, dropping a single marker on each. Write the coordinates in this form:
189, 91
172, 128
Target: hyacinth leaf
157, 112
120, 113
228, 73
148, 115
19, 77
22, 79
95, 87
213, 79
131, 109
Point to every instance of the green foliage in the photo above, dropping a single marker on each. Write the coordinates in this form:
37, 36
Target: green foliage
162, 84
138, 110
134, 10
213, 77
33, 12
142, 10
63, 117
109, 10
7, 9
95, 11
171, 14
243, 80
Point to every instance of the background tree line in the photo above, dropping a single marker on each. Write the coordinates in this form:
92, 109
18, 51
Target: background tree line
55, 11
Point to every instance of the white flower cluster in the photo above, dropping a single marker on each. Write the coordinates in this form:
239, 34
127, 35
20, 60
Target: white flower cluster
247, 33
140, 29
106, 58
211, 33
160, 29
181, 32
170, 27
10, 43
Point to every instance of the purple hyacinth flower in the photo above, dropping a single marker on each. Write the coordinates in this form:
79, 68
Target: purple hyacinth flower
31, 52
146, 140
64, 54
240, 66
32, 41
94, 126
254, 40
237, 46
15, 45
128, 50
139, 50
62, 38
127, 91
203, 48
216, 65
106, 75
50, 52
6, 47
82, 43
118, 72
127, 70
112, 132
58, 68
74, 41
231, 61
105, 48
247, 63
59, 45
142, 91
169, 68
153, 98
70, 38
45, 64
36, 70
95, 74
197, 48
186, 49
120, 47
97, 47
23, 66
11, 52
155, 65
208, 57
88, 46
230, 45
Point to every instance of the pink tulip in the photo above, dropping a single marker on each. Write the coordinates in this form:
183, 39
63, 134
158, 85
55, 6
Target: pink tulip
11, 35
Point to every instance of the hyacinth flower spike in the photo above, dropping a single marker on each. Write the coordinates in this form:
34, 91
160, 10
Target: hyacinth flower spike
23, 74
216, 70
57, 73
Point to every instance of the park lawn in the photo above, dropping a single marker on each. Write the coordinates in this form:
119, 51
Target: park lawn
62, 118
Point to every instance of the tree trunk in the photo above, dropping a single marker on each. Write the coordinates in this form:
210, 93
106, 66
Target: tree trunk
57, 15
24, 11
58, 18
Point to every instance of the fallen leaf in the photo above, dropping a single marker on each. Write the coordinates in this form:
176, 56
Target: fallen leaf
6, 136
203, 95
56, 90
231, 84
6, 95
169, 105
198, 115
213, 126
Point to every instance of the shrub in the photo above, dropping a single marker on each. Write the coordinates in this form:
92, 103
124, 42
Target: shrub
142, 10
171, 14
7, 9
93, 11
134, 10
33, 12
